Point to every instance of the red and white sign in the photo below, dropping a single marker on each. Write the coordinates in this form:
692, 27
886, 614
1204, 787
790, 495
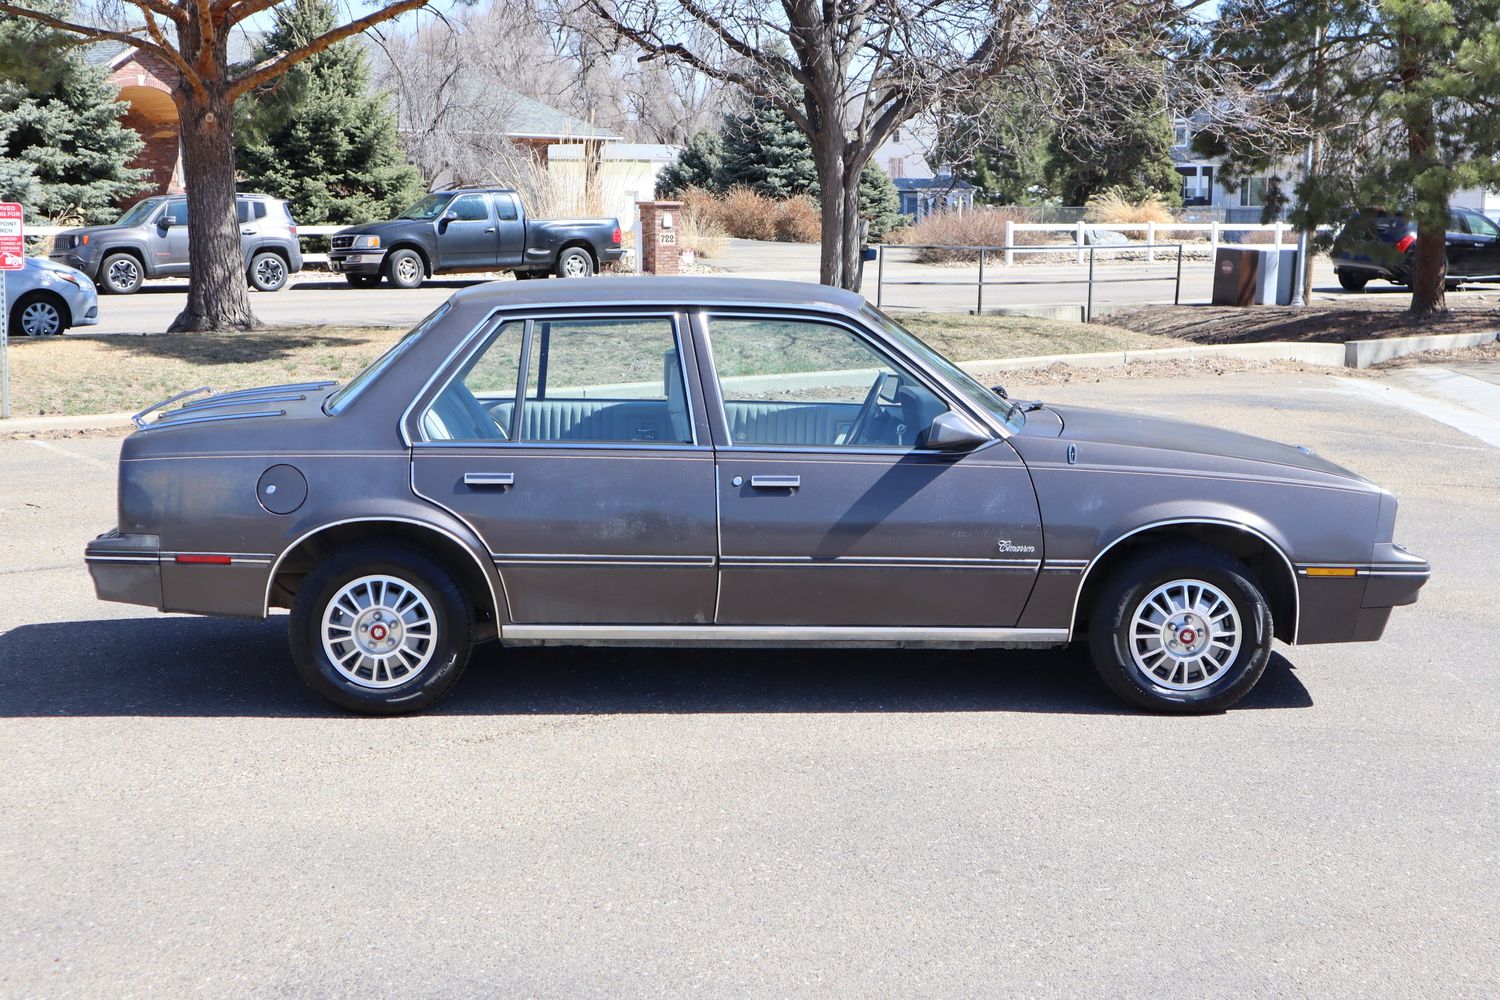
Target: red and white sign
12, 240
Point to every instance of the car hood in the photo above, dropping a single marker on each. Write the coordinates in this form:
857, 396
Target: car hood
94, 232
383, 228
1187, 445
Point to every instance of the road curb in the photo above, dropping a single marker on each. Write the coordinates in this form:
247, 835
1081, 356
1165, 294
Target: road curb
83, 422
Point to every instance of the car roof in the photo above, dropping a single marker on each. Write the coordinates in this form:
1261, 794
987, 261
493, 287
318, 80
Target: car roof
652, 290
475, 190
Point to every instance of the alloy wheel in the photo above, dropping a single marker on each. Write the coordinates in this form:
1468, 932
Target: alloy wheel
1184, 635
123, 274
379, 631
406, 270
270, 272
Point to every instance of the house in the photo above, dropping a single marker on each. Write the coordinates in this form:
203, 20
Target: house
624, 172
905, 156
1202, 188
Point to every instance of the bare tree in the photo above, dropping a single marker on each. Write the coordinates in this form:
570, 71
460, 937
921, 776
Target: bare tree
193, 37
849, 73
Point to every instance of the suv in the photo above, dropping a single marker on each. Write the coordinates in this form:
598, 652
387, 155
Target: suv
467, 230
1380, 244
151, 241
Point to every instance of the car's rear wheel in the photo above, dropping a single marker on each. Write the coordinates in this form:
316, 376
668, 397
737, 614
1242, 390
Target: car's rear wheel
381, 629
404, 269
362, 280
39, 314
267, 272
1182, 629
1352, 282
574, 262
120, 274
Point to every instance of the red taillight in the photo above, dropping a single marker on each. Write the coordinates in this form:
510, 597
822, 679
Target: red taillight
615, 236
294, 229
1405, 242
201, 560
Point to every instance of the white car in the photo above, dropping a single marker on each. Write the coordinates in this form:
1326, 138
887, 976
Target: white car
46, 298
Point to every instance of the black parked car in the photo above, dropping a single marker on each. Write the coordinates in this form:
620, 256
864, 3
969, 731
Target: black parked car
1381, 244
472, 229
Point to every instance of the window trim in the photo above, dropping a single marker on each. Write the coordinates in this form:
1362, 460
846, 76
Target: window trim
412, 418
898, 359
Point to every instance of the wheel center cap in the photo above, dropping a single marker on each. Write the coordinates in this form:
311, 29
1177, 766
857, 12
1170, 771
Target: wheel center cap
378, 632
1187, 636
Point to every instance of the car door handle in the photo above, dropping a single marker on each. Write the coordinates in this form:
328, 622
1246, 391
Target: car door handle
481, 480
775, 482
247, 232
490, 230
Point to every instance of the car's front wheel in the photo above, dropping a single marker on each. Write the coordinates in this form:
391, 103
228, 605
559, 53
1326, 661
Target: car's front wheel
120, 274
404, 269
267, 272
1182, 629
1349, 281
381, 629
40, 314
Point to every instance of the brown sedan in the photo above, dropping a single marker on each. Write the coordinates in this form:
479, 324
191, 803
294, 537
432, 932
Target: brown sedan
724, 461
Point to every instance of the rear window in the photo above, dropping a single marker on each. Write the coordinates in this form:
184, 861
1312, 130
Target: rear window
349, 392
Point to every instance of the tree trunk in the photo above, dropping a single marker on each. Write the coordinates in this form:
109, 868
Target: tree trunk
828, 157
1429, 274
218, 290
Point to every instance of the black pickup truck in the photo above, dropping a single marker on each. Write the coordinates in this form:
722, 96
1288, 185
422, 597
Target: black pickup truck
471, 229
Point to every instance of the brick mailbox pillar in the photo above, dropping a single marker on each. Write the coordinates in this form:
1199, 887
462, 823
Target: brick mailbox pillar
658, 249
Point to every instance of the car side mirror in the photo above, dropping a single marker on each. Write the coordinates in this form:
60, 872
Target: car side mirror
164, 223
953, 432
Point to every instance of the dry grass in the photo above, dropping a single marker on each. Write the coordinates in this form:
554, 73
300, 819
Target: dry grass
82, 374
980, 227
111, 374
748, 215
699, 228
1112, 207
798, 220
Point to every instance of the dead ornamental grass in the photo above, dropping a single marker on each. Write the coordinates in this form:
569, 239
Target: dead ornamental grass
980, 227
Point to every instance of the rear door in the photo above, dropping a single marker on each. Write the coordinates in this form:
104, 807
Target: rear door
571, 443
831, 514
466, 233
511, 227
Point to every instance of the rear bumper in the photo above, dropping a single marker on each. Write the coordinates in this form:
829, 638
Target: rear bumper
611, 256
126, 568
1357, 608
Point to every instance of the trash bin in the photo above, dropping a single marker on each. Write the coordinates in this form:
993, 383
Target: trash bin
1247, 276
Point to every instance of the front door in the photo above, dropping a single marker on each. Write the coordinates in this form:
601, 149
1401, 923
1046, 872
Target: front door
169, 243
831, 514
467, 235
1481, 239
512, 230
569, 444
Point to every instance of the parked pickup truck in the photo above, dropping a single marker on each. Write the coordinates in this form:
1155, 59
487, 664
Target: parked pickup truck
472, 229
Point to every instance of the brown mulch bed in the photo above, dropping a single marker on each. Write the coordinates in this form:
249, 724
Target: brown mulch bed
1368, 318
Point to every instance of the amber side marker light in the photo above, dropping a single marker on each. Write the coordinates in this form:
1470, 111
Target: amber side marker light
204, 560
1331, 571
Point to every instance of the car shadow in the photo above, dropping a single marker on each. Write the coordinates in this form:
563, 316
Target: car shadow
234, 668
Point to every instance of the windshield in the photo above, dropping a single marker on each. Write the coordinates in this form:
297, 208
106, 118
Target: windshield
139, 212
351, 390
1002, 410
428, 208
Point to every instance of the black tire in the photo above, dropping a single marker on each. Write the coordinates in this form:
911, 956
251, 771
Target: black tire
1351, 282
404, 268
38, 314
362, 280
268, 272
528, 275
120, 274
574, 262
1124, 592
447, 650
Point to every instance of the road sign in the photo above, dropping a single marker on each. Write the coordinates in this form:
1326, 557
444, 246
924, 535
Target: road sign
12, 258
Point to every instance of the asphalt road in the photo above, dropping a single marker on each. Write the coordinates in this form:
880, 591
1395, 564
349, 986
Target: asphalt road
315, 297
181, 818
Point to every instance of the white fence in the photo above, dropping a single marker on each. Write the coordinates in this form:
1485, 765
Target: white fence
1153, 233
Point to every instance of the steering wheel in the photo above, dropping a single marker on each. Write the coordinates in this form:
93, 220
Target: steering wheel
868, 408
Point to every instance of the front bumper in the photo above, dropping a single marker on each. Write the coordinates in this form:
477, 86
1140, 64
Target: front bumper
126, 568
1357, 608
85, 262
363, 262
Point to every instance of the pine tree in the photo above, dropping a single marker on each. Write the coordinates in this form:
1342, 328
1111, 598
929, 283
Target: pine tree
64, 153
879, 204
764, 151
997, 143
317, 137
700, 165
1397, 96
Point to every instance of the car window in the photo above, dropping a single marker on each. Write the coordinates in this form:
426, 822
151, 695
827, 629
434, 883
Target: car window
817, 384
506, 204
470, 208
176, 211
260, 210
242, 211
613, 379
1478, 225
478, 404
351, 390
139, 212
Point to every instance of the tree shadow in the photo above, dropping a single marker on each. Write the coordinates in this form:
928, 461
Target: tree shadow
172, 667
240, 348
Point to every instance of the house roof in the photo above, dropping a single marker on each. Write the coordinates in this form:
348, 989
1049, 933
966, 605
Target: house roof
527, 118
242, 46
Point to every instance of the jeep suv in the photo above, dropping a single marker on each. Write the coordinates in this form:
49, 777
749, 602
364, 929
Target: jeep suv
151, 241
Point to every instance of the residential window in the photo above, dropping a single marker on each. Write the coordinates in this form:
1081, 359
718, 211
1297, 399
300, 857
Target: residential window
1254, 190
897, 167
1182, 134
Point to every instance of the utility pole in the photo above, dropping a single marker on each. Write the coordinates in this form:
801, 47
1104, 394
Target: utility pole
1302, 276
